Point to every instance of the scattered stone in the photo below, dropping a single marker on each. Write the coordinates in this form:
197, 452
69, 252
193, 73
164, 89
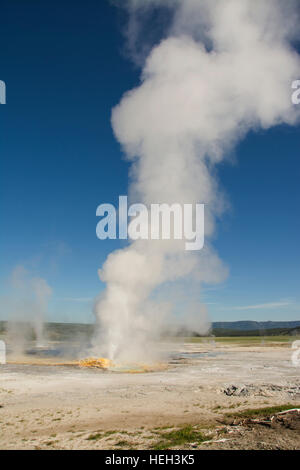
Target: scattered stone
236, 391
264, 390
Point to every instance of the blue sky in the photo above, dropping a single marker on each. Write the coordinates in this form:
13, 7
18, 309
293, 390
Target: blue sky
65, 69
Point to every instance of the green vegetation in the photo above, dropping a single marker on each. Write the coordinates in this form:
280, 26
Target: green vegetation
123, 444
101, 435
262, 412
245, 340
50, 443
179, 437
55, 331
94, 437
109, 433
221, 331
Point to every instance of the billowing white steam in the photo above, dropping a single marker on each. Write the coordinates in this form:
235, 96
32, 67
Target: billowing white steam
225, 68
28, 307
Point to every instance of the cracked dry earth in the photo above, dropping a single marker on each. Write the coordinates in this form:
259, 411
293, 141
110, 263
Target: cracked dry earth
65, 407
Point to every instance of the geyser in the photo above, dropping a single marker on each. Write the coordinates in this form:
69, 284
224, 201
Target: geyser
223, 68
28, 307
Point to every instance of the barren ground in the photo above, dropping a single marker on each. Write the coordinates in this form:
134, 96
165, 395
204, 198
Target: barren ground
65, 407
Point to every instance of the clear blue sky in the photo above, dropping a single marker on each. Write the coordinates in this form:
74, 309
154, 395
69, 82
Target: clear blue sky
65, 68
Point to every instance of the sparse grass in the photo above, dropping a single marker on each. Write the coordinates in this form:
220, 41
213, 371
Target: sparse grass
218, 407
162, 428
179, 437
260, 412
109, 433
94, 437
101, 435
123, 444
50, 443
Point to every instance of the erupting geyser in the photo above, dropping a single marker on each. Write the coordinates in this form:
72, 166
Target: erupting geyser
28, 308
223, 68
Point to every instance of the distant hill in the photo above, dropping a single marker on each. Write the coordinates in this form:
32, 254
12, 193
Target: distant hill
84, 332
255, 325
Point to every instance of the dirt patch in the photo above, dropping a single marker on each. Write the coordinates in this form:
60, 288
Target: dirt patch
266, 432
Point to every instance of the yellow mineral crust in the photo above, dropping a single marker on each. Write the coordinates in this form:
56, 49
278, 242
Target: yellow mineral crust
104, 363
100, 362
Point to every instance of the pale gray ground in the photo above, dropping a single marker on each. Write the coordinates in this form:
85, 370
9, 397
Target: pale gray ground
61, 406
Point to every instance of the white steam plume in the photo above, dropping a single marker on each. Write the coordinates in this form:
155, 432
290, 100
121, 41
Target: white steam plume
28, 305
225, 68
